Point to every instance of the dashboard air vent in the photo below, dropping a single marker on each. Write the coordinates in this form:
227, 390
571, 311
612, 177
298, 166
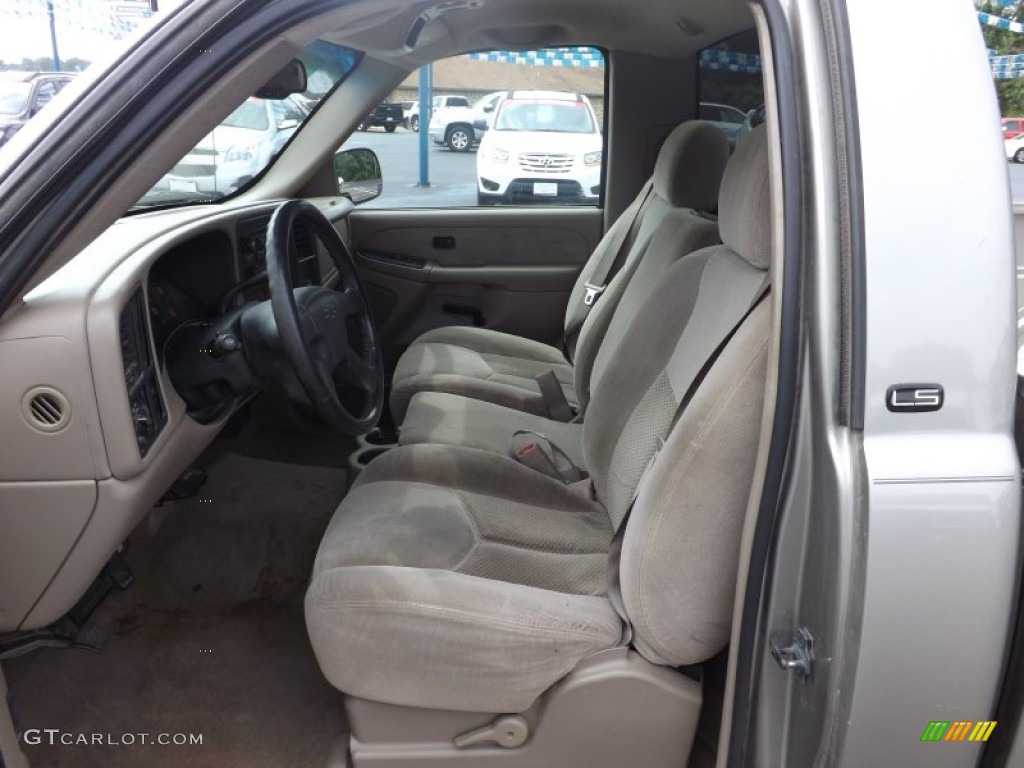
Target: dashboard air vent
47, 409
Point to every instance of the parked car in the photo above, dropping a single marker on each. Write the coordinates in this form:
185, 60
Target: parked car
733, 122
1015, 148
235, 151
459, 126
542, 147
1012, 126
409, 109
23, 95
387, 115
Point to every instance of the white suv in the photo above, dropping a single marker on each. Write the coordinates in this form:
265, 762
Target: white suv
542, 147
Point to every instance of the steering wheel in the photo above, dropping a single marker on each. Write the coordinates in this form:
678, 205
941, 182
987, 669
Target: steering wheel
328, 335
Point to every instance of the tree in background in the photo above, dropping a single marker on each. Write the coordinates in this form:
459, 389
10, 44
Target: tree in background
1003, 42
44, 64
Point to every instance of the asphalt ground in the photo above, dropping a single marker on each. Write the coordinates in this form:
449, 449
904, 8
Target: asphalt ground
452, 175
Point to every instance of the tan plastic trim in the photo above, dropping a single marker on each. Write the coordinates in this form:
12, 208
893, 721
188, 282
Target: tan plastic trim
615, 709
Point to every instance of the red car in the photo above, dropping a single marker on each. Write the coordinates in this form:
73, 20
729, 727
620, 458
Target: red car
1012, 126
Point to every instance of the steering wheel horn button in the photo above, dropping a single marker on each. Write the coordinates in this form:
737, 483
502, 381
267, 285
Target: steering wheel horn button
225, 343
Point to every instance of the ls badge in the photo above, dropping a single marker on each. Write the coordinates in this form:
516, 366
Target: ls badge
914, 398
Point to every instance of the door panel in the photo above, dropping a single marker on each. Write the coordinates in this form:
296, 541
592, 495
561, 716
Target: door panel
508, 269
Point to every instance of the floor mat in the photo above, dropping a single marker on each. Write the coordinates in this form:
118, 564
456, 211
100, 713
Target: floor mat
250, 535
209, 640
247, 682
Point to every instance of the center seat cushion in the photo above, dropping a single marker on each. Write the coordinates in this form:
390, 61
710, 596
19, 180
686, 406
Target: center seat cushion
442, 418
471, 587
502, 368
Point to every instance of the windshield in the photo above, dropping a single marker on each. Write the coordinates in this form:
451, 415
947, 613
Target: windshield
247, 140
14, 97
252, 115
548, 116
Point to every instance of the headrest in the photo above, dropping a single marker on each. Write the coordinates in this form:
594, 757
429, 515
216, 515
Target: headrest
744, 204
690, 166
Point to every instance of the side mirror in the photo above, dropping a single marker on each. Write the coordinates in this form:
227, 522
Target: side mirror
359, 175
288, 82
489, 108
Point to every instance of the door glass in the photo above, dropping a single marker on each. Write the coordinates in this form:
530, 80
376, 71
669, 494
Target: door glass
730, 88
520, 128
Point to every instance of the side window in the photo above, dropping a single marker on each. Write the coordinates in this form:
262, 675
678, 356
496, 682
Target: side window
730, 87
506, 128
46, 91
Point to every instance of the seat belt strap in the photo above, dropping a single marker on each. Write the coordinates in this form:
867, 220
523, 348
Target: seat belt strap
609, 263
615, 551
551, 393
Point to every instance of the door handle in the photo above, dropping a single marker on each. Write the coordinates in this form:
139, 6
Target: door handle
465, 310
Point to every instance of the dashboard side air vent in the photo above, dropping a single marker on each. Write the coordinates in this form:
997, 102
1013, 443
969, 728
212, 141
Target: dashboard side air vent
140, 373
46, 409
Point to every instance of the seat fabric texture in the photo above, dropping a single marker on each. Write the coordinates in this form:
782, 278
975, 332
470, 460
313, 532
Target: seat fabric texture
455, 578
458, 420
502, 368
446, 419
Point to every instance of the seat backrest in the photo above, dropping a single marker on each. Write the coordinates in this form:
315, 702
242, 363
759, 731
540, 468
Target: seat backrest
674, 222
679, 552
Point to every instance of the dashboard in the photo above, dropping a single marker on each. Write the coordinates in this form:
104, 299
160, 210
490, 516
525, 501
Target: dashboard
91, 341
191, 283
211, 272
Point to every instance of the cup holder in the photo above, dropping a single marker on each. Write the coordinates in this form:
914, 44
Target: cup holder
376, 438
362, 456
365, 457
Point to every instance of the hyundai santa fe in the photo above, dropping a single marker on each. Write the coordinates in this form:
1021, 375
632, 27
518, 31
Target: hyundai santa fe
540, 147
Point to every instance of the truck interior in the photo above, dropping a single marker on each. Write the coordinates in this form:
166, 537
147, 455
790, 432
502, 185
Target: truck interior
264, 478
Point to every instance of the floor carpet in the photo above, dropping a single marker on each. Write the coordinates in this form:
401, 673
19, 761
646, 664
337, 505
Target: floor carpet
246, 682
209, 640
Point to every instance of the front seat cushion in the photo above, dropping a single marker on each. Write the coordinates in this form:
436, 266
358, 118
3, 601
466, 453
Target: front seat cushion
451, 578
479, 363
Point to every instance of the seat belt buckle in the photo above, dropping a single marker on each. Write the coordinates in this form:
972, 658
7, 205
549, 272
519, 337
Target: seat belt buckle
593, 291
544, 456
527, 449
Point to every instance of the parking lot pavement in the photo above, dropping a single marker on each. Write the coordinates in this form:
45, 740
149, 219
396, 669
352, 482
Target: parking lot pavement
452, 174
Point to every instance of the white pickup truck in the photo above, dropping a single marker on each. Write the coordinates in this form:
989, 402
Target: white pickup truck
459, 127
